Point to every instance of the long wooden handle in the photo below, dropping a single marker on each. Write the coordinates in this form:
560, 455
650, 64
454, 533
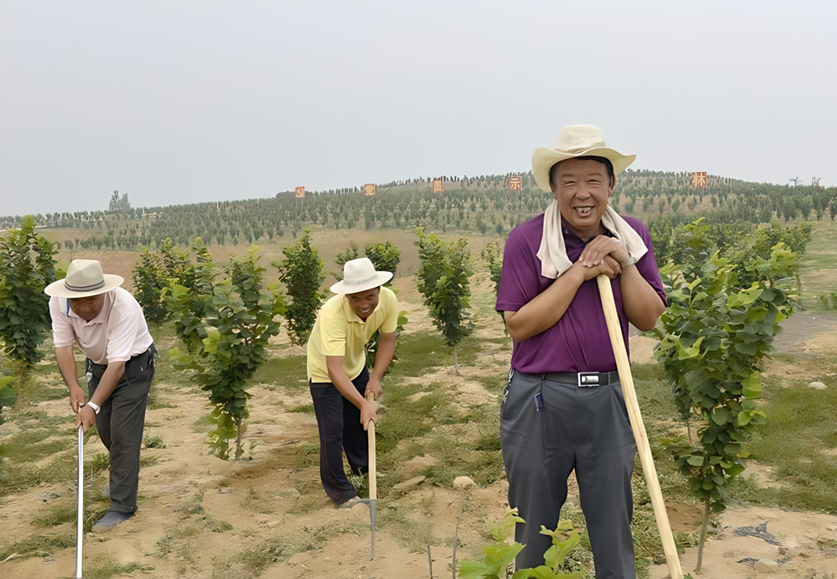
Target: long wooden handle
614, 329
373, 476
80, 514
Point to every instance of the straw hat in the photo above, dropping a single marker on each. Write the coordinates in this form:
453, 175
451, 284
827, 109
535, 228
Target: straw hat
360, 275
575, 141
84, 279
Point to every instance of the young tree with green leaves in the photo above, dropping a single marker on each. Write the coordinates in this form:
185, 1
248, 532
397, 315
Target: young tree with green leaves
149, 285
500, 554
26, 268
226, 327
342, 258
175, 263
384, 256
493, 255
302, 273
717, 334
443, 280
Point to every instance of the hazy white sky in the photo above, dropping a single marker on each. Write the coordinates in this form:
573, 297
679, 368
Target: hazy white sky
179, 102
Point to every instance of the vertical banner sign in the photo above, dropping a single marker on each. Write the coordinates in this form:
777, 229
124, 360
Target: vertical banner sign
369, 189
515, 183
300, 193
438, 186
699, 180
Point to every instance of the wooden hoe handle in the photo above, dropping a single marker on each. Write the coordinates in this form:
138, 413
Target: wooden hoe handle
373, 478
643, 447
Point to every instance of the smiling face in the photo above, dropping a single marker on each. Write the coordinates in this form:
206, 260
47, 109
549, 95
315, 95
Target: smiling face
87, 308
582, 188
364, 303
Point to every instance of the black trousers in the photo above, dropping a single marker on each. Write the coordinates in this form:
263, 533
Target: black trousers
120, 424
338, 422
570, 427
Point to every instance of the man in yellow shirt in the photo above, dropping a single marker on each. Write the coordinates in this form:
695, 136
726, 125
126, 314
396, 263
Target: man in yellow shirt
337, 372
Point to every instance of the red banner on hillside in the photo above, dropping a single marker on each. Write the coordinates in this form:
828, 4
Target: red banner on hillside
515, 183
699, 180
299, 193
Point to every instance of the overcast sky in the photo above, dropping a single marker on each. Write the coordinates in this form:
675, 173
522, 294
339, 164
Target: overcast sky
179, 102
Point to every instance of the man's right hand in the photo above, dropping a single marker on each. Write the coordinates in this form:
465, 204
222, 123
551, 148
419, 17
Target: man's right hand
367, 413
76, 398
609, 266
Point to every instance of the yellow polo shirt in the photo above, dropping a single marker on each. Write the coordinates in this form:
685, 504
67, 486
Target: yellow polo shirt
338, 331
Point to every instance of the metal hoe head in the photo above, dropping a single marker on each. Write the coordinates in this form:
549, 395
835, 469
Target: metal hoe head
373, 515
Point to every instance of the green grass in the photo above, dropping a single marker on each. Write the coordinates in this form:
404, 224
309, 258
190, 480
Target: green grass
39, 545
431, 424
305, 408
156, 399
103, 569
21, 444
796, 439
154, 441
655, 396
39, 419
419, 353
290, 372
54, 516
253, 500
254, 561
817, 266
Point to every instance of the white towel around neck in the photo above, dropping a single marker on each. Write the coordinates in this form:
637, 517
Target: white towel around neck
553, 251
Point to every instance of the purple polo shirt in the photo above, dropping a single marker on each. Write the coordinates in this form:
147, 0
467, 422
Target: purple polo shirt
579, 342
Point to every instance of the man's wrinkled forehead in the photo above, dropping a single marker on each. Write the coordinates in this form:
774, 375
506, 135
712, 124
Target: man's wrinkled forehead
578, 165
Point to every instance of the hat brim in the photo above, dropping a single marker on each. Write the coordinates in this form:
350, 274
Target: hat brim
381, 277
544, 159
59, 290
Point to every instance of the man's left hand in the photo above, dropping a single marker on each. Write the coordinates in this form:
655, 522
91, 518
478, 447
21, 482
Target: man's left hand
600, 246
374, 386
86, 417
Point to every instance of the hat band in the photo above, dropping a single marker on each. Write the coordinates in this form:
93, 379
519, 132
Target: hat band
374, 276
84, 288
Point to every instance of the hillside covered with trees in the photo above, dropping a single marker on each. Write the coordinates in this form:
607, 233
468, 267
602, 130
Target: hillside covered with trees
484, 205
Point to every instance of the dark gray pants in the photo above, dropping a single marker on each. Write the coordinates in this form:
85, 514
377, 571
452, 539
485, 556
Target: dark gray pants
586, 429
120, 424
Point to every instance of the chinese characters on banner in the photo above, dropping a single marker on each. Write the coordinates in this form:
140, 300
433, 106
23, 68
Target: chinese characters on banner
300, 193
438, 186
515, 183
369, 189
699, 180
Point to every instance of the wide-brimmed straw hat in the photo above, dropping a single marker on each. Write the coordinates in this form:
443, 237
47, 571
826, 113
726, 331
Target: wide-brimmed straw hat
360, 275
575, 141
84, 279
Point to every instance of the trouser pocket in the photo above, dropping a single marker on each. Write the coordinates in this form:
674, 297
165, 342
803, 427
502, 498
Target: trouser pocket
506, 391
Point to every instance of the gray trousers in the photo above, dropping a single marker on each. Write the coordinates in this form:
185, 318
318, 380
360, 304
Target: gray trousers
120, 424
570, 427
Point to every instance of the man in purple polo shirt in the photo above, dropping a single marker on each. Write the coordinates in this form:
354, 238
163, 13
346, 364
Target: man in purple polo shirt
563, 408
